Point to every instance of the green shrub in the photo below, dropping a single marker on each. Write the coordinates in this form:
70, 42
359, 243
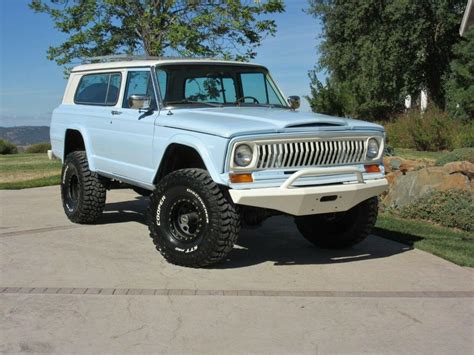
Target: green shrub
398, 133
465, 136
7, 147
451, 208
39, 148
433, 130
457, 155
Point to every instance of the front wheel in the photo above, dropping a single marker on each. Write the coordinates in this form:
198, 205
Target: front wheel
191, 221
341, 229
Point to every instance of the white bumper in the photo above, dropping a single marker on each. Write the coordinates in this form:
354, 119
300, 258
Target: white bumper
301, 201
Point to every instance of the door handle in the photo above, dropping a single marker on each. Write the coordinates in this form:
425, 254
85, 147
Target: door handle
114, 112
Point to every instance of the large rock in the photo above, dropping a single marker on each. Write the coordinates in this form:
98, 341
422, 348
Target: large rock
394, 163
462, 167
406, 188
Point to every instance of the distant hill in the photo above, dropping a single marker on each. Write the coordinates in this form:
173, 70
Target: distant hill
25, 135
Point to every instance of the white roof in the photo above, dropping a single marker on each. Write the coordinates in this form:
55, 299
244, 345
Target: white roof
152, 62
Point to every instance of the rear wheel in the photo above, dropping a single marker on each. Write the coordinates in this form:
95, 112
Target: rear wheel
82, 191
341, 229
191, 221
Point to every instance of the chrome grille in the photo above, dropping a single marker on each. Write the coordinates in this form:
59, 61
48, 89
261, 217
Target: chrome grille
310, 153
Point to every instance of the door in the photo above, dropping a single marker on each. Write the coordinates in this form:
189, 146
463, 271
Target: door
132, 130
96, 97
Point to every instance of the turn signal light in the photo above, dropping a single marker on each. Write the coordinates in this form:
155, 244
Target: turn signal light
240, 178
372, 168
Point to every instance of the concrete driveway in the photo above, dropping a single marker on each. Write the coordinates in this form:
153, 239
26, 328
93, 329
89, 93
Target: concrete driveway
105, 289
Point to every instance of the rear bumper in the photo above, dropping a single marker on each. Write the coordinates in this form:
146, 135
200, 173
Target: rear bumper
300, 201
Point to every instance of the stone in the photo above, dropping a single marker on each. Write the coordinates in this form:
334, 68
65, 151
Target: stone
463, 167
391, 177
394, 163
405, 189
454, 181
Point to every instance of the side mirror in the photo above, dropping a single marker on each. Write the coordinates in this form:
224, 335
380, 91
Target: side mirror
142, 102
294, 102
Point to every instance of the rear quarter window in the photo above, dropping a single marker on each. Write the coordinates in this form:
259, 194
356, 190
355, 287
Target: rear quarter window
98, 89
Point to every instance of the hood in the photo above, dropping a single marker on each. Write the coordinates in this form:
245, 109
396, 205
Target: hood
229, 122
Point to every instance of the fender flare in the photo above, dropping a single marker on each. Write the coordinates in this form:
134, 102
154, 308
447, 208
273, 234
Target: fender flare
87, 143
200, 147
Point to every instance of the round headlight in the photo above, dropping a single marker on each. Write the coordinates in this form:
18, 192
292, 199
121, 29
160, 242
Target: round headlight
373, 148
243, 155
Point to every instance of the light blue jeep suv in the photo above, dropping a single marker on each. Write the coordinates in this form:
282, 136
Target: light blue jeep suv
216, 145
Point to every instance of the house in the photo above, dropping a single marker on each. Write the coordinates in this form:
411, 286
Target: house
466, 23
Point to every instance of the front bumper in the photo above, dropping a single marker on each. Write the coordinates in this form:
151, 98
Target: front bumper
300, 201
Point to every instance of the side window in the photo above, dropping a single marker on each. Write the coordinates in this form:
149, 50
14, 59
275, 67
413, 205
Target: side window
114, 89
209, 89
139, 83
98, 89
274, 97
161, 78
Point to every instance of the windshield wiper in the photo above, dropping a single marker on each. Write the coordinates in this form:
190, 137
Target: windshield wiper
251, 104
193, 102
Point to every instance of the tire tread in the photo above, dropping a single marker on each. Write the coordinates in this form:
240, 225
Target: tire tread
94, 191
226, 227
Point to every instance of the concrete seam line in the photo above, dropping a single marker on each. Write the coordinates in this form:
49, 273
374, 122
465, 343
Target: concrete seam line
37, 230
224, 293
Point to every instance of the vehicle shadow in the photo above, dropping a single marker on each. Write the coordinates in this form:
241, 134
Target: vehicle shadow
125, 211
277, 241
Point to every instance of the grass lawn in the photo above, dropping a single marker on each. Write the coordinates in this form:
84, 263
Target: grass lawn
415, 154
20, 171
450, 244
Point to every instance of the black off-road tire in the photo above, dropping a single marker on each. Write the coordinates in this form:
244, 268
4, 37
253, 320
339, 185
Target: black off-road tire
83, 191
342, 229
214, 222
142, 192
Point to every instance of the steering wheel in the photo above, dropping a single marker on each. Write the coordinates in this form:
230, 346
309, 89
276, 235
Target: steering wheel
242, 99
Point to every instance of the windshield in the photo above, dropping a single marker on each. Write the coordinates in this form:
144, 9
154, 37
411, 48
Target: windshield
217, 85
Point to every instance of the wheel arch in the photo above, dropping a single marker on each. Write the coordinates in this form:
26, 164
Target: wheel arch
183, 155
77, 139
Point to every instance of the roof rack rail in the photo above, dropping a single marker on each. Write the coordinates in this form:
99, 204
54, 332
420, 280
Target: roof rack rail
126, 57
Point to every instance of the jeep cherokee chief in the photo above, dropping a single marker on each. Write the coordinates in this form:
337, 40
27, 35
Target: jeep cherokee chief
216, 145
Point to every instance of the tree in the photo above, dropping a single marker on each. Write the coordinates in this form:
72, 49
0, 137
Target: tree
229, 28
460, 83
383, 50
331, 99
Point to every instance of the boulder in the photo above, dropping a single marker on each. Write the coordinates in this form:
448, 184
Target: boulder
393, 176
394, 163
407, 188
462, 167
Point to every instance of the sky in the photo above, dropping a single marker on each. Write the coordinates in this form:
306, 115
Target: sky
31, 86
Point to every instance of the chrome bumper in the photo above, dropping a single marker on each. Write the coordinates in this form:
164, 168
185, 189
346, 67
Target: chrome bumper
300, 201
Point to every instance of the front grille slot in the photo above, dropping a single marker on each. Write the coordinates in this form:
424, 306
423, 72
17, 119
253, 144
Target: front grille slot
310, 153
